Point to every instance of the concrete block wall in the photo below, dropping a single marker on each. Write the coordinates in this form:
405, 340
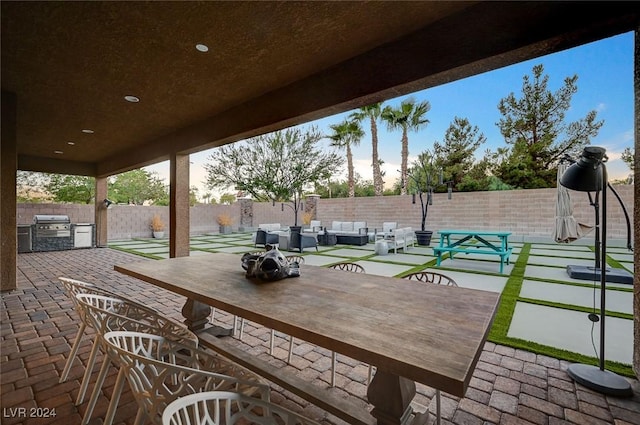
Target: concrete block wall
78, 213
528, 214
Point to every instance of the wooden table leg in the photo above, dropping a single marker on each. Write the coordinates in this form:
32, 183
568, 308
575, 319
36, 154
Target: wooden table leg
391, 397
196, 316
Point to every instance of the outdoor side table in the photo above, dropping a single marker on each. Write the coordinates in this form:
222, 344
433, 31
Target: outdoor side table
283, 241
327, 239
382, 247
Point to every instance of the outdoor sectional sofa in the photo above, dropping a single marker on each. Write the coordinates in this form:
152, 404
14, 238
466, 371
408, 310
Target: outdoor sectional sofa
350, 232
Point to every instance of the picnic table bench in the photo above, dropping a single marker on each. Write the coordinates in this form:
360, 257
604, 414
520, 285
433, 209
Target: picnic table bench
473, 242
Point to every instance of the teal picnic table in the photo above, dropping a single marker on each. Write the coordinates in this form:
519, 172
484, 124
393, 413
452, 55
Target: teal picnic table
473, 242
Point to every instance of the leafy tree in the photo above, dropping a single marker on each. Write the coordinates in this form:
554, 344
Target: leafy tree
227, 198
628, 157
344, 135
409, 116
536, 133
456, 155
340, 189
423, 177
137, 186
193, 195
373, 113
208, 198
478, 177
72, 189
273, 166
30, 186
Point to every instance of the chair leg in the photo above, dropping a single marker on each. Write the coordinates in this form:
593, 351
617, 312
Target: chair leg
290, 350
87, 372
437, 407
241, 328
370, 374
115, 398
334, 360
72, 353
96, 391
271, 342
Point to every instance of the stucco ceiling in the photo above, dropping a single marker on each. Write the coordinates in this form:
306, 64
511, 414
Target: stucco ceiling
269, 65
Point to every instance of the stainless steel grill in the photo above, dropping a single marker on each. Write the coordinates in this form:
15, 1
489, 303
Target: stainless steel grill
52, 226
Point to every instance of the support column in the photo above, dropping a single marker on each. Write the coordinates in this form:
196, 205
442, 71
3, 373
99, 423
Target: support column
101, 216
246, 214
311, 206
8, 205
179, 206
636, 206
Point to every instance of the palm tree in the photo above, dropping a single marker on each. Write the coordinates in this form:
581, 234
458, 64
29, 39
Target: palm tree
409, 116
346, 134
372, 112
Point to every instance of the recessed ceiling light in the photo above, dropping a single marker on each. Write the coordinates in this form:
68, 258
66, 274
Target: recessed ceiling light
58, 152
202, 48
87, 131
131, 99
70, 143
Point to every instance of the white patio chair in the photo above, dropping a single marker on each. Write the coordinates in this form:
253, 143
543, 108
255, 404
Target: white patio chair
156, 382
113, 314
74, 287
431, 277
216, 407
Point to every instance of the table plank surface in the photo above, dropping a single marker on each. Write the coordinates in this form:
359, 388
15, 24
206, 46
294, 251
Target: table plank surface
427, 333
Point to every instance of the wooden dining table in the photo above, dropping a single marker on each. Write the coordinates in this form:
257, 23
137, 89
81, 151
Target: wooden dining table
410, 331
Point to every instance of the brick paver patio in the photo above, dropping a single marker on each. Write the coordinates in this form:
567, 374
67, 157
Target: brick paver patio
39, 325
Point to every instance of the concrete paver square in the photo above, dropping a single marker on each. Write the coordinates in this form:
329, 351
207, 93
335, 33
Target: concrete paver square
572, 331
474, 280
350, 253
403, 258
476, 265
212, 245
620, 301
560, 273
621, 257
382, 269
236, 250
143, 245
318, 260
153, 250
562, 253
560, 261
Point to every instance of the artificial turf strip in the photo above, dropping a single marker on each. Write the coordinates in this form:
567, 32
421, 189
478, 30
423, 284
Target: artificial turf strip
506, 308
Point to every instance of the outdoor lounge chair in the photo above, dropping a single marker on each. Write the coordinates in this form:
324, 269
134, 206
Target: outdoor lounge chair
301, 241
264, 237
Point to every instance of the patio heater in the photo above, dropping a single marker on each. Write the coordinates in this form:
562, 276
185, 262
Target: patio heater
589, 174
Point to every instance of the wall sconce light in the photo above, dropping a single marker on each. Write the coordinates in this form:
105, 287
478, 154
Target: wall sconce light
107, 203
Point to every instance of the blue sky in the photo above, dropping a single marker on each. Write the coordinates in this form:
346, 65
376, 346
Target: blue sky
605, 84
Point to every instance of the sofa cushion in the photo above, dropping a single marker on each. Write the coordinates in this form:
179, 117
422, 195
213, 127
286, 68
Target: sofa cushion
388, 226
357, 225
336, 226
346, 226
270, 227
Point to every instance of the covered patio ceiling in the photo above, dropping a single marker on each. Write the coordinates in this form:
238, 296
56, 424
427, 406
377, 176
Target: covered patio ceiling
269, 65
